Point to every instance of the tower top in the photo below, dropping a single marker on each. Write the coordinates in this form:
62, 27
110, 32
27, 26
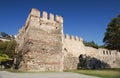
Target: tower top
45, 16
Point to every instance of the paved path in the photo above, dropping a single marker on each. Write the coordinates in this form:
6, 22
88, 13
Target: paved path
5, 74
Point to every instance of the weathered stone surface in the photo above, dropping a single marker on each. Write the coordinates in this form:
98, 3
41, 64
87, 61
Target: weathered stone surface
43, 41
43, 47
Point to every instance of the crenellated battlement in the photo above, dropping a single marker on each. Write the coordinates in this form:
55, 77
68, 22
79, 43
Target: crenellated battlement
45, 16
71, 37
35, 12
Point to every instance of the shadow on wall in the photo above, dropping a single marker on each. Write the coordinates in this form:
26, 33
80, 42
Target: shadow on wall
87, 62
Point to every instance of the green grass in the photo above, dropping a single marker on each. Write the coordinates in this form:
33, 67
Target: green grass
104, 73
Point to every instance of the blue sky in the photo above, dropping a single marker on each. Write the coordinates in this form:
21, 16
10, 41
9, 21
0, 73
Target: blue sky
84, 18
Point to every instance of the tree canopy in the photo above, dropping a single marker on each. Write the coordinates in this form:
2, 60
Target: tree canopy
91, 44
112, 34
7, 50
6, 36
3, 34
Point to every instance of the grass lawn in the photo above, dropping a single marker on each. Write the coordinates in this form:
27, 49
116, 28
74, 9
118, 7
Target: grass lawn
103, 73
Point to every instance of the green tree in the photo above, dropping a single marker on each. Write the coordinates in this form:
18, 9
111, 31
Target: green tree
10, 50
4, 35
3, 56
3, 46
7, 50
112, 34
91, 44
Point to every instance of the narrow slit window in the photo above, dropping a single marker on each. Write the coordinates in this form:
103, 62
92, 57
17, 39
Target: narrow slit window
103, 52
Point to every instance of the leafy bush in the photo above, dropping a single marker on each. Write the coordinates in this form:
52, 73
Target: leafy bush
4, 57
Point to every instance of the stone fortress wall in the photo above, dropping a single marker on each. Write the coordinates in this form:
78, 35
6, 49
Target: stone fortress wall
44, 47
74, 47
40, 43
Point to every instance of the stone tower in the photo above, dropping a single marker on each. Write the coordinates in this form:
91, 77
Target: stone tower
40, 43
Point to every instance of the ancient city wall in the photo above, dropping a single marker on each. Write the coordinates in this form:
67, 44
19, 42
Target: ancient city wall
73, 47
40, 43
42, 46
105, 55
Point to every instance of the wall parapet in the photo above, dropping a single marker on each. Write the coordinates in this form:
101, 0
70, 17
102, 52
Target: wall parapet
71, 37
45, 16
